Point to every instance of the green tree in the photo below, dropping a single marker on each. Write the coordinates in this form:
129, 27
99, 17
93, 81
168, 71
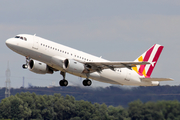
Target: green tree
135, 110
14, 108
117, 113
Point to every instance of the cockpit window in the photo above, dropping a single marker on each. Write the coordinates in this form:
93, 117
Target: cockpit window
23, 38
17, 37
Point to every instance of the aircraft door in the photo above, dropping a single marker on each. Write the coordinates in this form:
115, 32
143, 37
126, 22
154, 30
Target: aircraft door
35, 43
128, 75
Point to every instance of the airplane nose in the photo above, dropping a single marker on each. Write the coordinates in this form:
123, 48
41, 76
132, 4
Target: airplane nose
12, 43
9, 42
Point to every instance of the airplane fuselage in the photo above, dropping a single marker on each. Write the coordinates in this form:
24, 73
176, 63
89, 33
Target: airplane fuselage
51, 53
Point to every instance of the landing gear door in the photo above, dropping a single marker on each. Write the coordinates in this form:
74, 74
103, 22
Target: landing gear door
35, 43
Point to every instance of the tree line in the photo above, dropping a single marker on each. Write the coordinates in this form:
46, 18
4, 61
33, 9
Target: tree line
116, 95
57, 107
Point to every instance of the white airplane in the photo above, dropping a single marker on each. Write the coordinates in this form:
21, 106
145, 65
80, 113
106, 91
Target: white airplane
44, 56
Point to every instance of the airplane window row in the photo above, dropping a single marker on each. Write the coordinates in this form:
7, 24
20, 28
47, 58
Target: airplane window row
65, 52
23, 38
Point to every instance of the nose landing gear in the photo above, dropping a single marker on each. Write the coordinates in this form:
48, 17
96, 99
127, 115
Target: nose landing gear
25, 66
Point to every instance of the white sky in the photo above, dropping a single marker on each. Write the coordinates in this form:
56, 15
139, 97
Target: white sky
117, 30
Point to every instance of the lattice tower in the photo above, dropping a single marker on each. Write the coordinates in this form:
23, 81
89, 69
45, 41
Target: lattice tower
8, 82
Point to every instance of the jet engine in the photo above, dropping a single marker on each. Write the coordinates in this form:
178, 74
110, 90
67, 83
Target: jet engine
74, 66
155, 83
39, 67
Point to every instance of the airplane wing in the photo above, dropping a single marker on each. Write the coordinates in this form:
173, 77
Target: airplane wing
156, 79
98, 66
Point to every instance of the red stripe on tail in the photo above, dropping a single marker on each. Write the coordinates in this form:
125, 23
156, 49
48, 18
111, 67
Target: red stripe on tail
146, 58
155, 60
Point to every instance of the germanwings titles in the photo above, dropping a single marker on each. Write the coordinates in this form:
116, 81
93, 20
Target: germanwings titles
44, 56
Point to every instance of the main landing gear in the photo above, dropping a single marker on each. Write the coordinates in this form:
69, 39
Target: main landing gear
64, 82
87, 82
25, 66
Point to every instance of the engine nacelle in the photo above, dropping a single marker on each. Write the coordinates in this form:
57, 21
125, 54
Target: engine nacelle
73, 66
39, 67
155, 83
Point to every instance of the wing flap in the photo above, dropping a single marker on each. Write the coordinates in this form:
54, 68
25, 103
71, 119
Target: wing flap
156, 79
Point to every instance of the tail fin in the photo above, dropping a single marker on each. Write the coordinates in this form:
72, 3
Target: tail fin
151, 56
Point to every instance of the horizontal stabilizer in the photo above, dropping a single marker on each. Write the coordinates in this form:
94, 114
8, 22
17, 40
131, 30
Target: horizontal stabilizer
156, 79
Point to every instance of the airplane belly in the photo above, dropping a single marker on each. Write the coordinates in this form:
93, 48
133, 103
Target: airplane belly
112, 77
125, 77
94, 75
131, 77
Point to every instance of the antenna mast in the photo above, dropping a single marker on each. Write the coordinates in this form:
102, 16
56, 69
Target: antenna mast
8, 82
